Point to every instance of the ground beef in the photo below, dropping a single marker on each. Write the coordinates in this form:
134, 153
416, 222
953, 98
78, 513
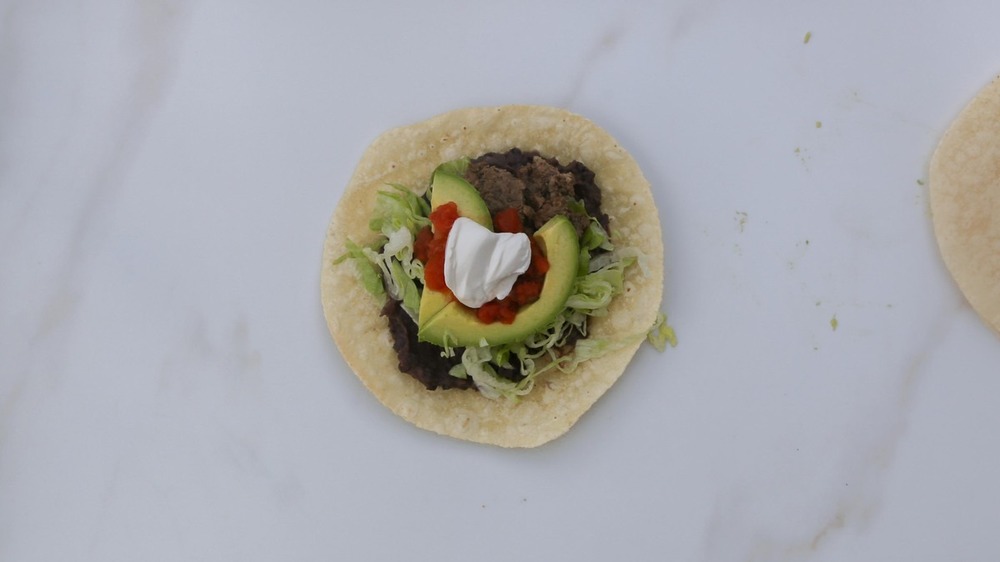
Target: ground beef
550, 193
540, 188
505, 190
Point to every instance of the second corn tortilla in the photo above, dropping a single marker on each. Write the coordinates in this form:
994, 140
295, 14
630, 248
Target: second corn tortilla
407, 156
965, 202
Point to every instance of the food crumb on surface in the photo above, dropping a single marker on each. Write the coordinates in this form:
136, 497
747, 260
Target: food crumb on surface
920, 182
819, 124
834, 323
803, 156
662, 333
741, 220
808, 36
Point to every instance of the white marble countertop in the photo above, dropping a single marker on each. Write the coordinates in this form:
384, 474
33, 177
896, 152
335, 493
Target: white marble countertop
169, 391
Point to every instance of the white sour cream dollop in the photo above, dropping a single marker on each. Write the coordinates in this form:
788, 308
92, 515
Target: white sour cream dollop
481, 265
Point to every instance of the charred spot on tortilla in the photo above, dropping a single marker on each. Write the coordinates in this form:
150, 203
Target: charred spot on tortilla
539, 163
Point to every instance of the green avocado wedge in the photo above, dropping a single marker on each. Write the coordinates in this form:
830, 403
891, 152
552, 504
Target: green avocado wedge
447, 187
461, 328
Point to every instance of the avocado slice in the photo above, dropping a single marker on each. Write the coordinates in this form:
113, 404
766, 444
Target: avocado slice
559, 241
447, 187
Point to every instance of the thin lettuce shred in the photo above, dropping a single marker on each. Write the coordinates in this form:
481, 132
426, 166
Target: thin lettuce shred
455, 167
371, 279
662, 333
388, 268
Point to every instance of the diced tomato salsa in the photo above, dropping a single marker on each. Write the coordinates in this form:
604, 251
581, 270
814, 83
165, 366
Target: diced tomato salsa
429, 249
429, 246
508, 220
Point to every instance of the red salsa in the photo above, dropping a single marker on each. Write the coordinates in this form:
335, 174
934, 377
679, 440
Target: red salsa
429, 246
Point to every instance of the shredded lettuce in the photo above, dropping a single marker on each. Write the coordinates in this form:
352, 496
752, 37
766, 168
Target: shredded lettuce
370, 278
449, 347
590, 348
406, 289
595, 237
400, 209
478, 363
454, 167
388, 266
662, 333
594, 291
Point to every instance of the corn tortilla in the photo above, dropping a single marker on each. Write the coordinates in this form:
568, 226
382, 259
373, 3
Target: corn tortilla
965, 202
407, 156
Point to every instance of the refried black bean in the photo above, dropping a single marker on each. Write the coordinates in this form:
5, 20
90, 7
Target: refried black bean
421, 360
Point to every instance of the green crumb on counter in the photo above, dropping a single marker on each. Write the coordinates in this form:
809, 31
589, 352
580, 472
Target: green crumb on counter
819, 124
808, 36
834, 323
920, 182
741, 220
662, 333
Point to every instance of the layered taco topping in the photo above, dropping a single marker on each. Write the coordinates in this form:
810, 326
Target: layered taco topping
472, 306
